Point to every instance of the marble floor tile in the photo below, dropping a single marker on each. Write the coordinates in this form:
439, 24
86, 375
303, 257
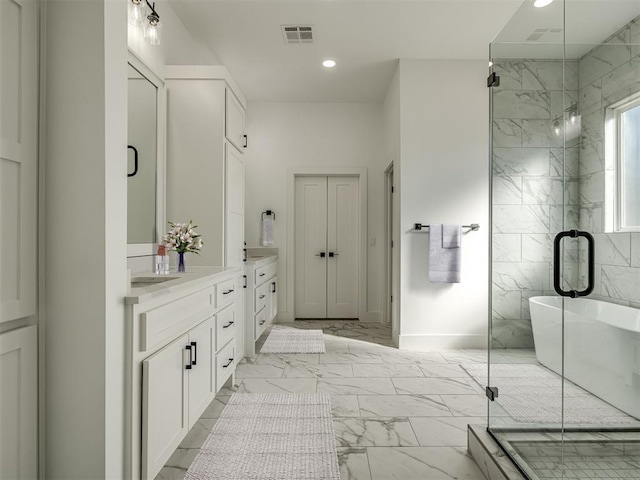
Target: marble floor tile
402, 356
371, 432
284, 359
353, 463
466, 405
465, 356
350, 358
323, 370
421, 463
247, 370
402, 406
345, 406
278, 385
446, 370
433, 385
171, 473
443, 431
198, 433
216, 406
356, 386
387, 370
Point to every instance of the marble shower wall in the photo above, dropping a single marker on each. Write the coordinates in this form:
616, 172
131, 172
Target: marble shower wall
608, 74
532, 180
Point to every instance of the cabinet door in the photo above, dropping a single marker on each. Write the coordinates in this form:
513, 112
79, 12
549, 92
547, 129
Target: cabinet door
165, 383
234, 120
273, 292
202, 374
18, 404
234, 209
18, 157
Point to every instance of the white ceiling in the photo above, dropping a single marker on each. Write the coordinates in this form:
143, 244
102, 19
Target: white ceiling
364, 37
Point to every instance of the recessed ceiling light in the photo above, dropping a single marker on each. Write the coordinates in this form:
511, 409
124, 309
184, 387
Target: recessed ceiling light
541, 3
329, 63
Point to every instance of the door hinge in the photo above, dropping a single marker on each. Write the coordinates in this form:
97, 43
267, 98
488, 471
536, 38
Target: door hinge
391, 298
493, 80
391, 243
246, 141
391, 189
244, 279
492, 393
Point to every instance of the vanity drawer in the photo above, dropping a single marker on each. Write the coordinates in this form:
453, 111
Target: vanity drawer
261, 294
266, 272
225, 365
225, 292
225, 326
170, 320
261, 322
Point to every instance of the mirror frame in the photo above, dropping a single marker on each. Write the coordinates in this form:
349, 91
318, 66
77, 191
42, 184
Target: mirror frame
145, 249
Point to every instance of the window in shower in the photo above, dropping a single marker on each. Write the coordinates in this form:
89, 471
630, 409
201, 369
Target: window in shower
624, 146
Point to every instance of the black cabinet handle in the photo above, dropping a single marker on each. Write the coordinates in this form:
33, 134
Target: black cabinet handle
556, 263
321, 254
332, 254
190, 362
262, 322
228, 363
135, 161
195, 352
273, 287
261, 297
228, 292
227, 325
262, 275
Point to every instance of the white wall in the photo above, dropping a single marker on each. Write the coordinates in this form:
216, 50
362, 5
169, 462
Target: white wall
84, 264
444, 178
286, 135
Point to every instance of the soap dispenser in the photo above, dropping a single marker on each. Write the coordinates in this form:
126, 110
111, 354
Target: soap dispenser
162, 260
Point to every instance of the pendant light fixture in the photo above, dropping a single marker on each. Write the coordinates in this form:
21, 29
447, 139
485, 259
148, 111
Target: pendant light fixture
143, 14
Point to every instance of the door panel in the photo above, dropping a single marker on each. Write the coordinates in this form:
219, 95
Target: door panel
310, 240
343, 227
18, 157
202, 375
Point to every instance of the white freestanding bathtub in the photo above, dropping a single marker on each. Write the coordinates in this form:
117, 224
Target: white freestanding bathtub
601, 346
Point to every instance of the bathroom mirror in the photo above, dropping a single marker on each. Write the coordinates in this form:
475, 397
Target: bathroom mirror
145, 159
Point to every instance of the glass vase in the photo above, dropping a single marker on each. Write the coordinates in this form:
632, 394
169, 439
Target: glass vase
181, 264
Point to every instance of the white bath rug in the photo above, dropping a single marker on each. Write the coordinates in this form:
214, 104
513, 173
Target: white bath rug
293, 340
269, 437
531, 393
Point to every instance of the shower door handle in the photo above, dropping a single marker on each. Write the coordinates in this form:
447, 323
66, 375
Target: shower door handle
556, 263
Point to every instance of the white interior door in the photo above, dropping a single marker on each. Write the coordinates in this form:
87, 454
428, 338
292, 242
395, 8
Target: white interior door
343, 241
327, 242
310, 243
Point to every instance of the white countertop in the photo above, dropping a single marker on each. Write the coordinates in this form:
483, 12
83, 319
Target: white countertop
260, 260
189, 279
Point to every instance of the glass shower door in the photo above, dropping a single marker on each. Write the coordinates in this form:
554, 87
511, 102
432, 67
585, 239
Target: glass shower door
564, 357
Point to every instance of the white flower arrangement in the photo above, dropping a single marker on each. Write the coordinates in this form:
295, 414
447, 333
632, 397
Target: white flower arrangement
183, 238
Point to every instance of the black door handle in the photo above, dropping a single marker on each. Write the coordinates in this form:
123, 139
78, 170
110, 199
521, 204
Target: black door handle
331, 254
321, 254
556, 264
195, 353
189, 364
273, 287
135, 161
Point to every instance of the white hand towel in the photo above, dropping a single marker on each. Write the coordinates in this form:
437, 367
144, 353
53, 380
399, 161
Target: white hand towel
444, 261
267, 232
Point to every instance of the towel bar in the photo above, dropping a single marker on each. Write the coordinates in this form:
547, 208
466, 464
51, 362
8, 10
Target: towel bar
473, 227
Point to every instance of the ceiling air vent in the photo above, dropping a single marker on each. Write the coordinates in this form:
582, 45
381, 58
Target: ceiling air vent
297, 33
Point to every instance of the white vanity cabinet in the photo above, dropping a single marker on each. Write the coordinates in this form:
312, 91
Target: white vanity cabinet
261, 298
182, 352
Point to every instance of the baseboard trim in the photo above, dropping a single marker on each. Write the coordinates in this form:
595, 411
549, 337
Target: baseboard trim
436, 342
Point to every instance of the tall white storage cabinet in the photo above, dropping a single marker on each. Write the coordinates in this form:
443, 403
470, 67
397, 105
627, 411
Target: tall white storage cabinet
205, 164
